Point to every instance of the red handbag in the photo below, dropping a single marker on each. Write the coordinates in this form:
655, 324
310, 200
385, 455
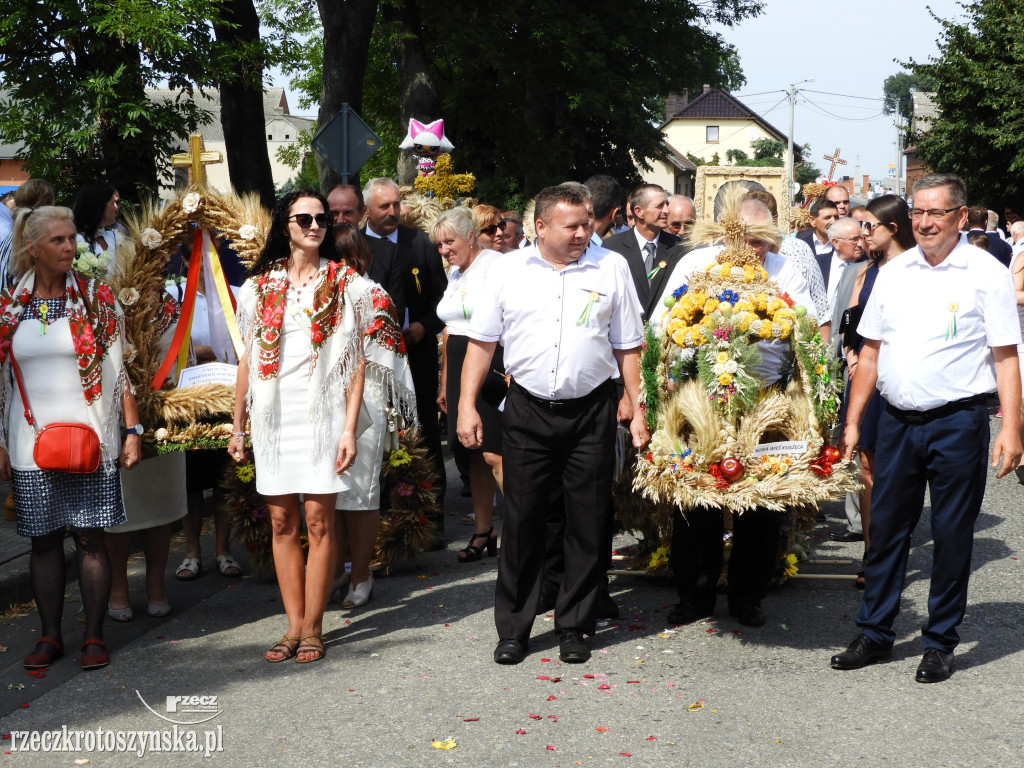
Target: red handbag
73, 448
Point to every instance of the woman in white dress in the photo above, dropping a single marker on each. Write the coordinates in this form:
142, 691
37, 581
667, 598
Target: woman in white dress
388, 393
301, 382
63, 335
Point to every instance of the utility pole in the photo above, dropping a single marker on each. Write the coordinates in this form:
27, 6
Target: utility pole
789, 152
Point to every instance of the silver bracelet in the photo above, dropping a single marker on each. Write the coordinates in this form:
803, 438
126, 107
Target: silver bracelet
238, 434
346, 432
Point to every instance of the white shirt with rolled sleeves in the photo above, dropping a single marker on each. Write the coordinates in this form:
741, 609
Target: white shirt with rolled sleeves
910, 313
780, 270
554, 347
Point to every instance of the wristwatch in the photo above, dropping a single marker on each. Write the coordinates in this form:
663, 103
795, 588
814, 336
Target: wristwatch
138, 429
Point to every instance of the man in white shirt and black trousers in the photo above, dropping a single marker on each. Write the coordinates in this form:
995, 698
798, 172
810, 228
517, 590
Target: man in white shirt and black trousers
941, 334
568, 318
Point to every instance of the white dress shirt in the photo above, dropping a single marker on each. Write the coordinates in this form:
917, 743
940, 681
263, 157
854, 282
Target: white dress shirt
393, 237
780, 270
821, 248
643, 244
909, 312
465, 291
555, 347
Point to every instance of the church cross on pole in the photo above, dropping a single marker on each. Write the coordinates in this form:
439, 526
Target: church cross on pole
835, 159
196, 158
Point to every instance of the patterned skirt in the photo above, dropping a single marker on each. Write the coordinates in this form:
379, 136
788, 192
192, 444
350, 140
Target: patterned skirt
48, 501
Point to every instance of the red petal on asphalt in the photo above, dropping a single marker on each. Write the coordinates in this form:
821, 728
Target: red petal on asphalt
470, 719
589, 677
603, 687
24, 706
632, 681
552, 698
550, 747
6, 736
534, 717
543, 677
556, 679
711, 631
626, 754
650, 738
601, 728
520, 731
545, 659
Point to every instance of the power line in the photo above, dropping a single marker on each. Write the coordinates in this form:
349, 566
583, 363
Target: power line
843, 95
822, 110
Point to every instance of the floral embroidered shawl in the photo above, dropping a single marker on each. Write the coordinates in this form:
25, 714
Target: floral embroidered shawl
97, 334
335, 326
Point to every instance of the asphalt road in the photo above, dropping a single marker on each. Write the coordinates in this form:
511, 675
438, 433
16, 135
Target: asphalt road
414, 667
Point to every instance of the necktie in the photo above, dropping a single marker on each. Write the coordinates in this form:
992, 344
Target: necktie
649, 251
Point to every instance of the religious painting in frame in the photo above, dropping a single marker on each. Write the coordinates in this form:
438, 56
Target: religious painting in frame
712, 180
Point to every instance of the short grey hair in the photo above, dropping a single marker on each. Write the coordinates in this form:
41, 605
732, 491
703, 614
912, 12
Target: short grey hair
372, 184
957, 189
993, 219
1017, 228
836, 228
31, 225
459, 221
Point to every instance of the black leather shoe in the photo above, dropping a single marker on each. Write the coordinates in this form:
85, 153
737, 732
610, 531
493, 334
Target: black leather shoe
935, 666
749, 615
510, 651
687, 613
862, 651
846, 536
572, 648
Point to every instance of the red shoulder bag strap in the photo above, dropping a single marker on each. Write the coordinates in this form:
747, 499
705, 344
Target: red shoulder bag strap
24, 397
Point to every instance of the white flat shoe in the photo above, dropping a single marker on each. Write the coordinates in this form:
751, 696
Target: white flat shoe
359, 594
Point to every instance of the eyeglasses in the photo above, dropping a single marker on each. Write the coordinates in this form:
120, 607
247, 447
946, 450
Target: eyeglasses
489, 231
933, 213
871, 226
305, 220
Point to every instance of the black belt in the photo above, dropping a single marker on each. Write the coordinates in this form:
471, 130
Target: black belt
922, 417
564, 405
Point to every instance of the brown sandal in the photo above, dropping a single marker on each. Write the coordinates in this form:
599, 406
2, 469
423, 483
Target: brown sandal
305, 647
288, 646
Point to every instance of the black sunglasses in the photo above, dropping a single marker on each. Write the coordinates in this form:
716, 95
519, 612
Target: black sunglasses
305, 220
494, 228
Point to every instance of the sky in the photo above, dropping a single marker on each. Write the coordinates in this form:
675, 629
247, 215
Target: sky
848, 48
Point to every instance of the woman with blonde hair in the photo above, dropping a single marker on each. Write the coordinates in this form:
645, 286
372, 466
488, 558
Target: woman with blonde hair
62, 338
456, 234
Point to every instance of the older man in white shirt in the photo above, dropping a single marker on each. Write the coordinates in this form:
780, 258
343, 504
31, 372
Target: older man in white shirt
941, 334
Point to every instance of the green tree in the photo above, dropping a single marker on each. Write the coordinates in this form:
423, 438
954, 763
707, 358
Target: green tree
898, 92
560, 91
75, 74
979, 90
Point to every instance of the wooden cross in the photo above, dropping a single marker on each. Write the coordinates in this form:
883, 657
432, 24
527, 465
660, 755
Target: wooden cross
835, 159
196, 158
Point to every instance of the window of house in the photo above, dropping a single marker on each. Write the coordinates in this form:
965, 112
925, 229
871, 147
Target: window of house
287, 136
270, 137
712, 134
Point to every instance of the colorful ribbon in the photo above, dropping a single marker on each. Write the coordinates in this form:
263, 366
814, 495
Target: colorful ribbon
656, 270
951, 325
185, 319
416, 276
585, 317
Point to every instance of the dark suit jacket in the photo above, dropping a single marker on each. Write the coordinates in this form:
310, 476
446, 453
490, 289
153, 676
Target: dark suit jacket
670, 249
824, 260
998, 247
386, 271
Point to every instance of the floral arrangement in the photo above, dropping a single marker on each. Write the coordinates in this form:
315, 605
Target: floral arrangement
719, 439
203, 419
90, 264
444, 184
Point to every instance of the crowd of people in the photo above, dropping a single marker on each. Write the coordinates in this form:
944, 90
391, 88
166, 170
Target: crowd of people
538, 323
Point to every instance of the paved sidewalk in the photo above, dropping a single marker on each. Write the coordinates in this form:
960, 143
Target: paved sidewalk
414, 666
